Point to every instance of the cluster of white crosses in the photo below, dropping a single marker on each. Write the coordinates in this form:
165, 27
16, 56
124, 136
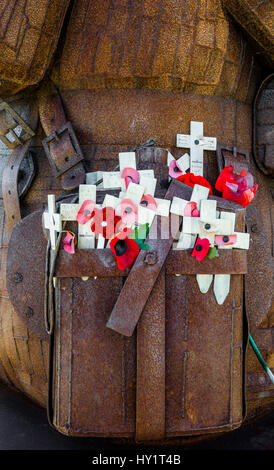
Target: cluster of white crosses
210, 222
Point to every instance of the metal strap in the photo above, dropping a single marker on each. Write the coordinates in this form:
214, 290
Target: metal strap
61, 145
150, 384
55, 136
9, 185
239, 158
143, 274
10, 120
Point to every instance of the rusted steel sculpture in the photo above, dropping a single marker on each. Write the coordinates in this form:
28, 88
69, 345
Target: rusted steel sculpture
92, 78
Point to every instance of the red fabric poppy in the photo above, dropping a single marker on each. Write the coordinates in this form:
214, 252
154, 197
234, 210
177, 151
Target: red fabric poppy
191, 210
85, 212
237, 188
190, 179
129, 211
225, 239
130, 175
149, 202
69, 243
125, 251
104, 222
201, 248
174, 170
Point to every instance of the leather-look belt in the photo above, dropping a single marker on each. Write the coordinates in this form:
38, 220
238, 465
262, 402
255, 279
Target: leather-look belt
60, 145
21, 146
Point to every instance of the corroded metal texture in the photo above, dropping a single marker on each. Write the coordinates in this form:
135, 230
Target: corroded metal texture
178, 46
143, 275
192, 370
29, 32
122, 83
263, 133
61, 144
26, 272
150, 366
257, 18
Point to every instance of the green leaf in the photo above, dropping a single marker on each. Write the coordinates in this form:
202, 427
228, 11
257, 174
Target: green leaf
212, 252
141, 244
139, 232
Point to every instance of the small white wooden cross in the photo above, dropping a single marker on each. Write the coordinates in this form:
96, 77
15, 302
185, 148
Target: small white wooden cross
52, 221
197, 143
68, 212
210, 223
86, 238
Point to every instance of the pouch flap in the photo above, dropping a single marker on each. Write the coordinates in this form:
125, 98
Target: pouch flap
101, 263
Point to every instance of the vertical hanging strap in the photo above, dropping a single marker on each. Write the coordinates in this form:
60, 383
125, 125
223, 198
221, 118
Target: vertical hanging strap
9, 185
145, 271
150, 387
11, 171
61, 145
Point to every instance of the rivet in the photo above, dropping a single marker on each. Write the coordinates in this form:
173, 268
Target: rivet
28, 312
18, 277
151, 258
254, 228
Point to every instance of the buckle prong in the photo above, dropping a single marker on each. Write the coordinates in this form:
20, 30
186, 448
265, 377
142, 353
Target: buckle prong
10, 126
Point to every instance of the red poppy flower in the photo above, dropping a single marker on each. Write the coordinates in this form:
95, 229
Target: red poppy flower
201, 248
238, 188
191, 210
225, 239
85, 211
149, 202
69, 243
130, 175
190, 179
129, 211
125, 251
104, 222
174, 170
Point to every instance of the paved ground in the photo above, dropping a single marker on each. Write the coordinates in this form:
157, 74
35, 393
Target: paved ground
24, 426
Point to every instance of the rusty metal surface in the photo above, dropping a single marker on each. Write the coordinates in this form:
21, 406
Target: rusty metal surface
263, 134
260, 269
61, 145
26, 272
102, 263
154, 45
143, 275
212, 61
150, 379
29, 32
9, 185
103, 404
256, 18
203, 361
232, 156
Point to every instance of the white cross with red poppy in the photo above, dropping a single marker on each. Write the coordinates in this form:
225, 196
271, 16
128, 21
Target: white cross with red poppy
197, 143
52, 221
207, 224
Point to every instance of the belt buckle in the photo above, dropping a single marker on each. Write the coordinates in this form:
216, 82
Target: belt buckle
236, 154
55, 136
10, 127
